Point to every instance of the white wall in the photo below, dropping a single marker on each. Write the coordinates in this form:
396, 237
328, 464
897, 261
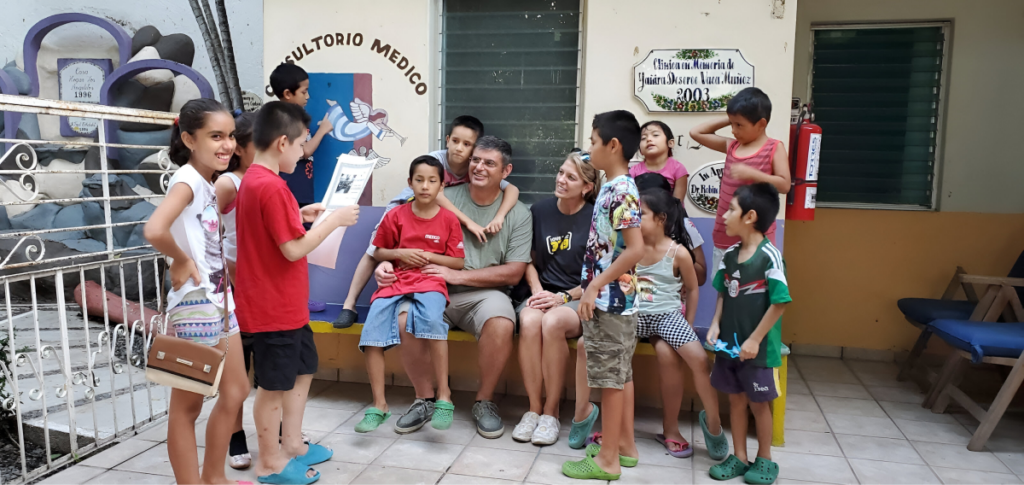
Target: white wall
168, 16
982, 167
404, 24
620, 34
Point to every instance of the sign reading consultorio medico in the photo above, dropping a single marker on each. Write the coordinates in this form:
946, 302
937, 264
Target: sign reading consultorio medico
691, 80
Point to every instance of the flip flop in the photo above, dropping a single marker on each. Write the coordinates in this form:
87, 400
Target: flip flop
579, 431
293, 473
627, 461
731, 468
594, 439
718, 446
315, 455
684, 451
586, 469
762, 472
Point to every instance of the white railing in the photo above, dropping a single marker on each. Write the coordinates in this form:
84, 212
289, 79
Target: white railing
72, 383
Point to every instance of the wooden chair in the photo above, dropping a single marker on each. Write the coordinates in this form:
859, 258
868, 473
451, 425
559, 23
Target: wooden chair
983, 341
921, 312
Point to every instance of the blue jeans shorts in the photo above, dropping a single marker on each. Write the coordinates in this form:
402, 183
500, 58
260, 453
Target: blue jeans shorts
425, 319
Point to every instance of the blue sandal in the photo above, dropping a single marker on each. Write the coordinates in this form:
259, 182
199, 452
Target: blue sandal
315, 455
293, 473
580, 431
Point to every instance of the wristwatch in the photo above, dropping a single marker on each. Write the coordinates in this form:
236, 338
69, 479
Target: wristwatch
566, 298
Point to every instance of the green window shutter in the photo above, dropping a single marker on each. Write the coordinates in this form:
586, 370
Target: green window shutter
876, 97
514, 65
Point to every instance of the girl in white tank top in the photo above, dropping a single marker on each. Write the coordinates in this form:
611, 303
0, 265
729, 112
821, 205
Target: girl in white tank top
226, 186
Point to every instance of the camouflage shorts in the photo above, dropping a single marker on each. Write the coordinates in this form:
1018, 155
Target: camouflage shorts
609, 340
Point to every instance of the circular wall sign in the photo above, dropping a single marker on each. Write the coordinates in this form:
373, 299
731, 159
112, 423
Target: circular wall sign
251, 102
704, 184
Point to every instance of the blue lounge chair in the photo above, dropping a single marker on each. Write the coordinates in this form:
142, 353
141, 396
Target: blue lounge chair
921, 312
982, 342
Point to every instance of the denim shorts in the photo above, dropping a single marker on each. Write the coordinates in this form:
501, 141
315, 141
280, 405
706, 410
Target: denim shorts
425, 319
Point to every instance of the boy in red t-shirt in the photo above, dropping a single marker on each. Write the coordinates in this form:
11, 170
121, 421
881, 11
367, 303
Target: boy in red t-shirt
413, 235
272, 291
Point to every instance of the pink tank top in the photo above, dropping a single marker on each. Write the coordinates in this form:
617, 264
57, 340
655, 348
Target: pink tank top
762, 160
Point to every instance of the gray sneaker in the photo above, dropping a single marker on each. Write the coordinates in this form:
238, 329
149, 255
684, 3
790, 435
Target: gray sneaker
418, 414
488, 423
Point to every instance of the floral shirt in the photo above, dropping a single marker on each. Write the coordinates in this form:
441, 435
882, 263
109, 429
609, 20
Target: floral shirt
617, 207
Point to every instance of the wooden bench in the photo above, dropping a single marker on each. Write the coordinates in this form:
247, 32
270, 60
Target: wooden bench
642, 348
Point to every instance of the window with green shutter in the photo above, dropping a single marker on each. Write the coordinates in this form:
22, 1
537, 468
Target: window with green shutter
876, 94
514, 64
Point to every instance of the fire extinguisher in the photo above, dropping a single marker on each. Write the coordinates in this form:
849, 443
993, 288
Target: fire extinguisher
804, 156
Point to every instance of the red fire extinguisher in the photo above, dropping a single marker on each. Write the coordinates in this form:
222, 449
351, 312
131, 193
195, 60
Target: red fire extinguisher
804, 157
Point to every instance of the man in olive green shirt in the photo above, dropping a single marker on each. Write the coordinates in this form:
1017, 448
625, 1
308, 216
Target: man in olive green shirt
479, 303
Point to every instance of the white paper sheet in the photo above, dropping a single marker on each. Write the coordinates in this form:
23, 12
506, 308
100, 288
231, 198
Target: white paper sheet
351, 174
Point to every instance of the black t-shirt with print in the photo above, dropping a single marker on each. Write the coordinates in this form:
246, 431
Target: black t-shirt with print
559, 242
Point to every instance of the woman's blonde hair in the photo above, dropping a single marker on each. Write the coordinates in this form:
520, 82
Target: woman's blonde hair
589, 174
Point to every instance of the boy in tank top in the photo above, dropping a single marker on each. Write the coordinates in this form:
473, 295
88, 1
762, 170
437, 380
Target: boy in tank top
751, 157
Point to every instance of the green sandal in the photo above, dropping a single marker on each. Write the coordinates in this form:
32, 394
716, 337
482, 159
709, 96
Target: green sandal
731, 468
762, 472
371, 420
579, 432
718, 446
629, 462
586, 469
444, 413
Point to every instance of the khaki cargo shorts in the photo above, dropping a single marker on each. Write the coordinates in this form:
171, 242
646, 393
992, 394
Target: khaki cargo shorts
469, 310
610, 340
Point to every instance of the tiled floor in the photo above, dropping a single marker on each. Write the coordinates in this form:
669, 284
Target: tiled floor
847, 422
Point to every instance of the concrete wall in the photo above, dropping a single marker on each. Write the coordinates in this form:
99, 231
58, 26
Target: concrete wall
619, 35
168, 16
848, 268
404, 26
980, 172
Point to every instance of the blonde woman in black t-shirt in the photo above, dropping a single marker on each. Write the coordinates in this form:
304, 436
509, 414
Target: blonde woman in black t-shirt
548, 317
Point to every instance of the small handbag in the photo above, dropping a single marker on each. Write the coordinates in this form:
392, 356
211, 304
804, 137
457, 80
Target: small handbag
187, 365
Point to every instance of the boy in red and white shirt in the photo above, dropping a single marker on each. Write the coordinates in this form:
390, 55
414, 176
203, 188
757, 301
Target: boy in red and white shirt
413, 235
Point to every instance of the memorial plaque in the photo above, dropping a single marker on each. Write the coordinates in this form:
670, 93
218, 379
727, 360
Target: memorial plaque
80, 80
704, 186
691, 80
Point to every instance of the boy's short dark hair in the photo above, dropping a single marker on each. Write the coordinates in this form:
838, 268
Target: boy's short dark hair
620, 124
427, 160
498, 145
752, 104
286, 77
467, 121
763, 199
276, 119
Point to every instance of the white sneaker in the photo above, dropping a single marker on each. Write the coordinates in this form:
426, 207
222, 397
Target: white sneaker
241, 462
546, 432
524, 430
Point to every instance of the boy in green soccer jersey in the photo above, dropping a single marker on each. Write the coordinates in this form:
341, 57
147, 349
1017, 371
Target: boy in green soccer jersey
746, 330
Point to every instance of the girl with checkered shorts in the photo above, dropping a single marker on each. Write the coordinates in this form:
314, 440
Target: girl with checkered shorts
665, 270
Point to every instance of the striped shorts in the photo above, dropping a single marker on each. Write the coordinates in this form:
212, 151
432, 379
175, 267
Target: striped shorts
196, 318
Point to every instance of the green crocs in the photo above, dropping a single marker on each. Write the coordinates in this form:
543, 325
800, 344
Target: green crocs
731, 468
371, 420
444, 413
629, 462
762, 472
718, 446
579, 431
586, 469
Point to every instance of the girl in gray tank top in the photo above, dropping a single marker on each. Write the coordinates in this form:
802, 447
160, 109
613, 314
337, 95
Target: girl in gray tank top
665, 270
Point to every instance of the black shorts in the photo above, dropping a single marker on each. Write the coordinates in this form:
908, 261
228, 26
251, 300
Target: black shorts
280, 357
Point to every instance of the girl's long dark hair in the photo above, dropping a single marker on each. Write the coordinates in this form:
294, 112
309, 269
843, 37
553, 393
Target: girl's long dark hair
243, 137
191, 119
661, 203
